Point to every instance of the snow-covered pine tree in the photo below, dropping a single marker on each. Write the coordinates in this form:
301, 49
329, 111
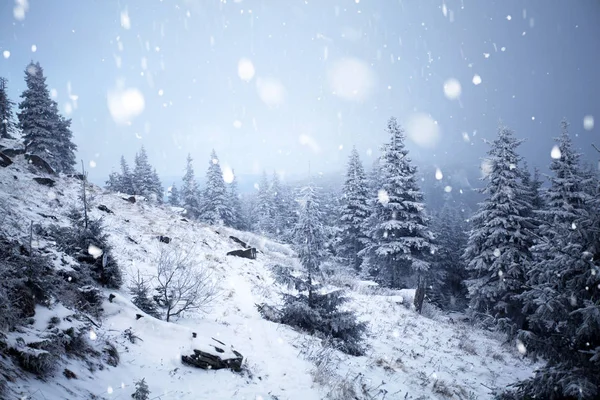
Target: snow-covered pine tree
8, 126
309, 236
235, 204
190, 193
264, 207
354, 211
399, 240
563, 300
141, 390
143, 176
45, 132
113, 182
156, 187
174, 197
447, 285
497, 253
215, 202
126, 178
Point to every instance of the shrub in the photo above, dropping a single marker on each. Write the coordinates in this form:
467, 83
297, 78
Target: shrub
140, 290
141, 390
111, 354
326, 318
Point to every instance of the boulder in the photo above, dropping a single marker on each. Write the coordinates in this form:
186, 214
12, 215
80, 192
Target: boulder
130, 199
164, 239
102, 207
238, 241
45, 181
5, 161
40, 163
246, 253
13, 152
214, 356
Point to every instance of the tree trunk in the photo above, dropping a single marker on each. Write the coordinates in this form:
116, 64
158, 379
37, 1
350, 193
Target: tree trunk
419, 294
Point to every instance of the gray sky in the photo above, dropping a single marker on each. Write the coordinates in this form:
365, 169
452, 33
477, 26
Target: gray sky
278, 84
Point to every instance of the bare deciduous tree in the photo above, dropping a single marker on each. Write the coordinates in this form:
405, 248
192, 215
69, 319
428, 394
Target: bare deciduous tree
183, 284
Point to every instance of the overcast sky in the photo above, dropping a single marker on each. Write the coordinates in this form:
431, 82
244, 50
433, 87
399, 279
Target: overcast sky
278, 84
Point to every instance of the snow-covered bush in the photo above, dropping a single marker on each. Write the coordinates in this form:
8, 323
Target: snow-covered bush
325, 318
139, 287
141, 390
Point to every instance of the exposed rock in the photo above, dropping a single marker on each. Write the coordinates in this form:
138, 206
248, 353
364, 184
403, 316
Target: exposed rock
131, 240
130, 199
238, 241
5, 161
184, 220
138, 316
13, 152
111, 297
69, 374
45, 181
164, 239
40, 163
247, 253
219, 359
102, 207
48, 216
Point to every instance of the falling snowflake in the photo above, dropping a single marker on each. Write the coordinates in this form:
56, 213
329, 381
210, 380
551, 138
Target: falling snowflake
588, 122
94, 251
245, 69
33, 48
448, 189
452, 89
521, 347
93, 335
555, 153
423, 130
351, 79
497, 253
6, 53
237, 124
125, 21
125, 104
438, 174
92, 164
228, 174
271, 91
476, 79
508, 17
383, 197
109, 390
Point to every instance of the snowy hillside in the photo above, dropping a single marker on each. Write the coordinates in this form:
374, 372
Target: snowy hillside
409, 356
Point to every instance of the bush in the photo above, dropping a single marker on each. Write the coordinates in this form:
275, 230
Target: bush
37, 361
141, 390
326, 318
140, 290
111, 353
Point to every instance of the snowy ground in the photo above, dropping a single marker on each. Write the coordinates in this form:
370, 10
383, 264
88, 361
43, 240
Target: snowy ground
409, 356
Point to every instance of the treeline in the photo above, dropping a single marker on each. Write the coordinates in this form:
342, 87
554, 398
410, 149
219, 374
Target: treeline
41, 129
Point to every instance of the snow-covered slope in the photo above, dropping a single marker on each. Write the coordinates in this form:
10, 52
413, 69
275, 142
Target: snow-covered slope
409, 356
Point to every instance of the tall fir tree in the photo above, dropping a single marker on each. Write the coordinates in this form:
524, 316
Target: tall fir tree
215, 203
114, 182
235, 204
563, 300
497, 254
143, 176
354, 211
264, 207
309, 237
45, 132
399, 242
156, 187
8, 126
174, 197
190, 192
126, 178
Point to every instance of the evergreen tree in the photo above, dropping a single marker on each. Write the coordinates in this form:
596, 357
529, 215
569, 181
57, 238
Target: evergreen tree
141, 390
156, 187
497, 253
354, 211
264, 207
190, 193
447, 286
126, 178
45, 132
235, 205
215, 204
114, 182
399, 238
144, 179
563, 300
174, 197
8, 127
309, 236
140, 290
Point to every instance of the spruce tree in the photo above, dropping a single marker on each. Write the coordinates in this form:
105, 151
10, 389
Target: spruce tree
354, 211
215, 203
8, 127
174, 199
497, 253
190, 193
114, 182
563, 300
156, 187
237, 218
126, 178
310, 237
45, 132
144, 179
399, 240
264, 207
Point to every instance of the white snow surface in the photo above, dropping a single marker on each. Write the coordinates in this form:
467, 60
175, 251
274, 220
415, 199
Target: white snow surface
407, 354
